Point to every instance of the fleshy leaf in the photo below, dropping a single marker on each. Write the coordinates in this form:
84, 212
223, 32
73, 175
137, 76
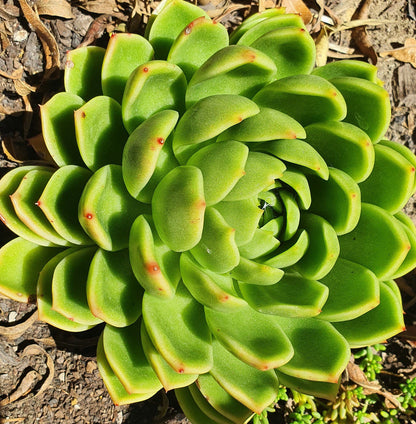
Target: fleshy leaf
19, 281
348, 301
377, 325
257, 273
139, 100
255, 338
291, 215
106, 209
186, 52
296, 180
177, 328
124, 352
306, 98
232, 70
69, 286
196, 125
181, 192
83, 71
262, 243
348, 68
123, 54
114, 295
58, 128
292, 296
382, 254
100, 132
409, 262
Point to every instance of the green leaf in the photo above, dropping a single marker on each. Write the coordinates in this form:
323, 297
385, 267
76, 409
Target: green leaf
349, 300
123, 54
221, 400
154, 265
177, 328
306, 98
20, 264
378, 242
8, 185
257, 273
116, 390
124, 352
377, 325
243, 216
222, 165
44, 297
343, 146
168, 24
169, 378
391, 182
106, 209
261, 170
348, 68
25, 199
59, 202
181, 192
58, 128
69, 287
139, 100
409, 262
292, 296
338, 200
262, 243
323, 249
253, 388
321, 352
217, 249
368, 105
209, 288
186, 51
232, 70
114, 295
143, 149
297, 181
196, 125
268, 124
255, 338
291, 214
83, 71
100, 132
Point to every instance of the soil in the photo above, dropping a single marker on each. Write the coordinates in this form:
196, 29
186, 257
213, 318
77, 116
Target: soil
73, 391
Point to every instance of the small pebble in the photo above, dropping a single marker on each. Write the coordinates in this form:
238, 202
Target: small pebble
12, 316
20, 36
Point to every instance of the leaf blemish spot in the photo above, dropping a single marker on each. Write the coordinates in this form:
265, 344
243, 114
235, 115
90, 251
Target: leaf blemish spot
89, 216
145, 69
160, 140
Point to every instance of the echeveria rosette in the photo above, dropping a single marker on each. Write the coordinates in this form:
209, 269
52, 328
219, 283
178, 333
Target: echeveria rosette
232, 214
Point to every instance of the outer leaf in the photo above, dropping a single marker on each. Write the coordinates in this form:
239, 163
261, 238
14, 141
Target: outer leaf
106, 210
232, 70
307, 98
139, 100
349, 301
178, 330
69, 287
143, 149
100, 132
123, 54
377, 325
253, 337
182, 193
410, 261
382, 254
166, 374
113, 293
292, 296
195, 126
58, 128
124, 352
348, 68
19, 281
186, 52
257, 273
253, 388
83, 71
59, 202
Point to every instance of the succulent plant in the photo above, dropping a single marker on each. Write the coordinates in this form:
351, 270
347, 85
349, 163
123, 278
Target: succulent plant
233, 215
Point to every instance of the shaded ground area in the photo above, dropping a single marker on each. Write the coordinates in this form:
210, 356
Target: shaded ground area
31, 62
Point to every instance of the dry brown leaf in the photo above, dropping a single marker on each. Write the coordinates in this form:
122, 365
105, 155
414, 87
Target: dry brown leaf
266, 4
15, 331
39, 146
59, 8
404, 54
101, 7
23, 88
96, 30
25, 386
222, 12
50, 47
322, 47
299, 7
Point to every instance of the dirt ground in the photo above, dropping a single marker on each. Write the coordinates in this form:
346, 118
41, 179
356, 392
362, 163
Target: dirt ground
71, 390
